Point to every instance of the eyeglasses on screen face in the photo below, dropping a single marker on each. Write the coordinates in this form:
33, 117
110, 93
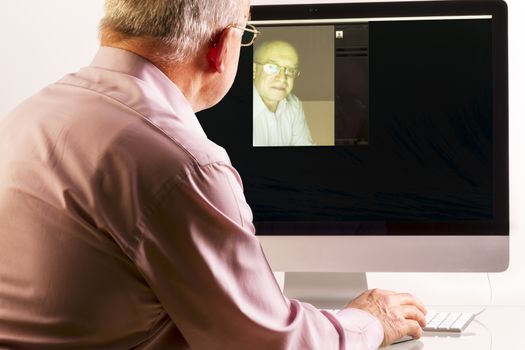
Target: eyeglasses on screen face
273, 69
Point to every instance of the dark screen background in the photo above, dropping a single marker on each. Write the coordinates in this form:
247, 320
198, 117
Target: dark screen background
428, 166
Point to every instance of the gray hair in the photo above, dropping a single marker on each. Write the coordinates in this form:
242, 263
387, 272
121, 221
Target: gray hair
181, 26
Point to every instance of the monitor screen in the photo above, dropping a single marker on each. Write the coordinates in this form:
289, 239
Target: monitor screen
372, 119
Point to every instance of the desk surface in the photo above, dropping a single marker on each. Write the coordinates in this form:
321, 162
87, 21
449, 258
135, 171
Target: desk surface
498, 328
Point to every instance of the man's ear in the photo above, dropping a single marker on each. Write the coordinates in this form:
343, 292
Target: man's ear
218, 52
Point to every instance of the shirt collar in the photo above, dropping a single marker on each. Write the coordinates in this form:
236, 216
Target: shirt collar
129, 63
259, 106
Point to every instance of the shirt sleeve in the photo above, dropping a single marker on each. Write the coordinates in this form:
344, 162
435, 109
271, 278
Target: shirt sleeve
358, 328
199, 254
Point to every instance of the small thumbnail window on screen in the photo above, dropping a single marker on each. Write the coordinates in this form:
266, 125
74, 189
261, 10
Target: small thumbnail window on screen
310, 86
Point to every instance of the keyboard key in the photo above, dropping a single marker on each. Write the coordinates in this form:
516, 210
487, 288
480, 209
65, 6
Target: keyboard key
447, 321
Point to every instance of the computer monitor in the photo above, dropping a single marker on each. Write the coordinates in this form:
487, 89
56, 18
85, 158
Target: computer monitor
390, 152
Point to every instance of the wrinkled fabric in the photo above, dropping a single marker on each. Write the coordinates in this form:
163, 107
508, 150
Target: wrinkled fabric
286, 127
123, 227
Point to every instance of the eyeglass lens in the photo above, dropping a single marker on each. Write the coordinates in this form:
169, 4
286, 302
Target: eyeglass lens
271, 68
247, 37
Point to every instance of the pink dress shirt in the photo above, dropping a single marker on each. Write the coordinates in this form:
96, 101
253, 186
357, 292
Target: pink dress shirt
123, 227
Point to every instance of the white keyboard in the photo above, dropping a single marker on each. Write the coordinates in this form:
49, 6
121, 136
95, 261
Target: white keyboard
443, 321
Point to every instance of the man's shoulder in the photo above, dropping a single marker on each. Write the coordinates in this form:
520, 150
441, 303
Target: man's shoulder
110, 130
136, 102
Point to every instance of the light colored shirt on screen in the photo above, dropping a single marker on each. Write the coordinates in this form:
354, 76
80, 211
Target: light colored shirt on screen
286, 127
122, 226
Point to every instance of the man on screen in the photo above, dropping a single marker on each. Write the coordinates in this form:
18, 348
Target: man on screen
278, 116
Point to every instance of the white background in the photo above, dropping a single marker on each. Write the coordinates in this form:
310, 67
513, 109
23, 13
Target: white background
40, 41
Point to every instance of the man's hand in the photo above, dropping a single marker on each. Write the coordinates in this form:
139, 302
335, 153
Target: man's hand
400, 314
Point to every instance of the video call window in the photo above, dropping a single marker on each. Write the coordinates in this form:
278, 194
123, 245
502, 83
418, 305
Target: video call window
310, 86
400, 123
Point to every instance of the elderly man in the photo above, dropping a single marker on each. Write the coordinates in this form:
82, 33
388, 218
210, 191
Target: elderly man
278, 116
122, 226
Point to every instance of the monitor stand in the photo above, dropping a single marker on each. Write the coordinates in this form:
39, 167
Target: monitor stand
325, 290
